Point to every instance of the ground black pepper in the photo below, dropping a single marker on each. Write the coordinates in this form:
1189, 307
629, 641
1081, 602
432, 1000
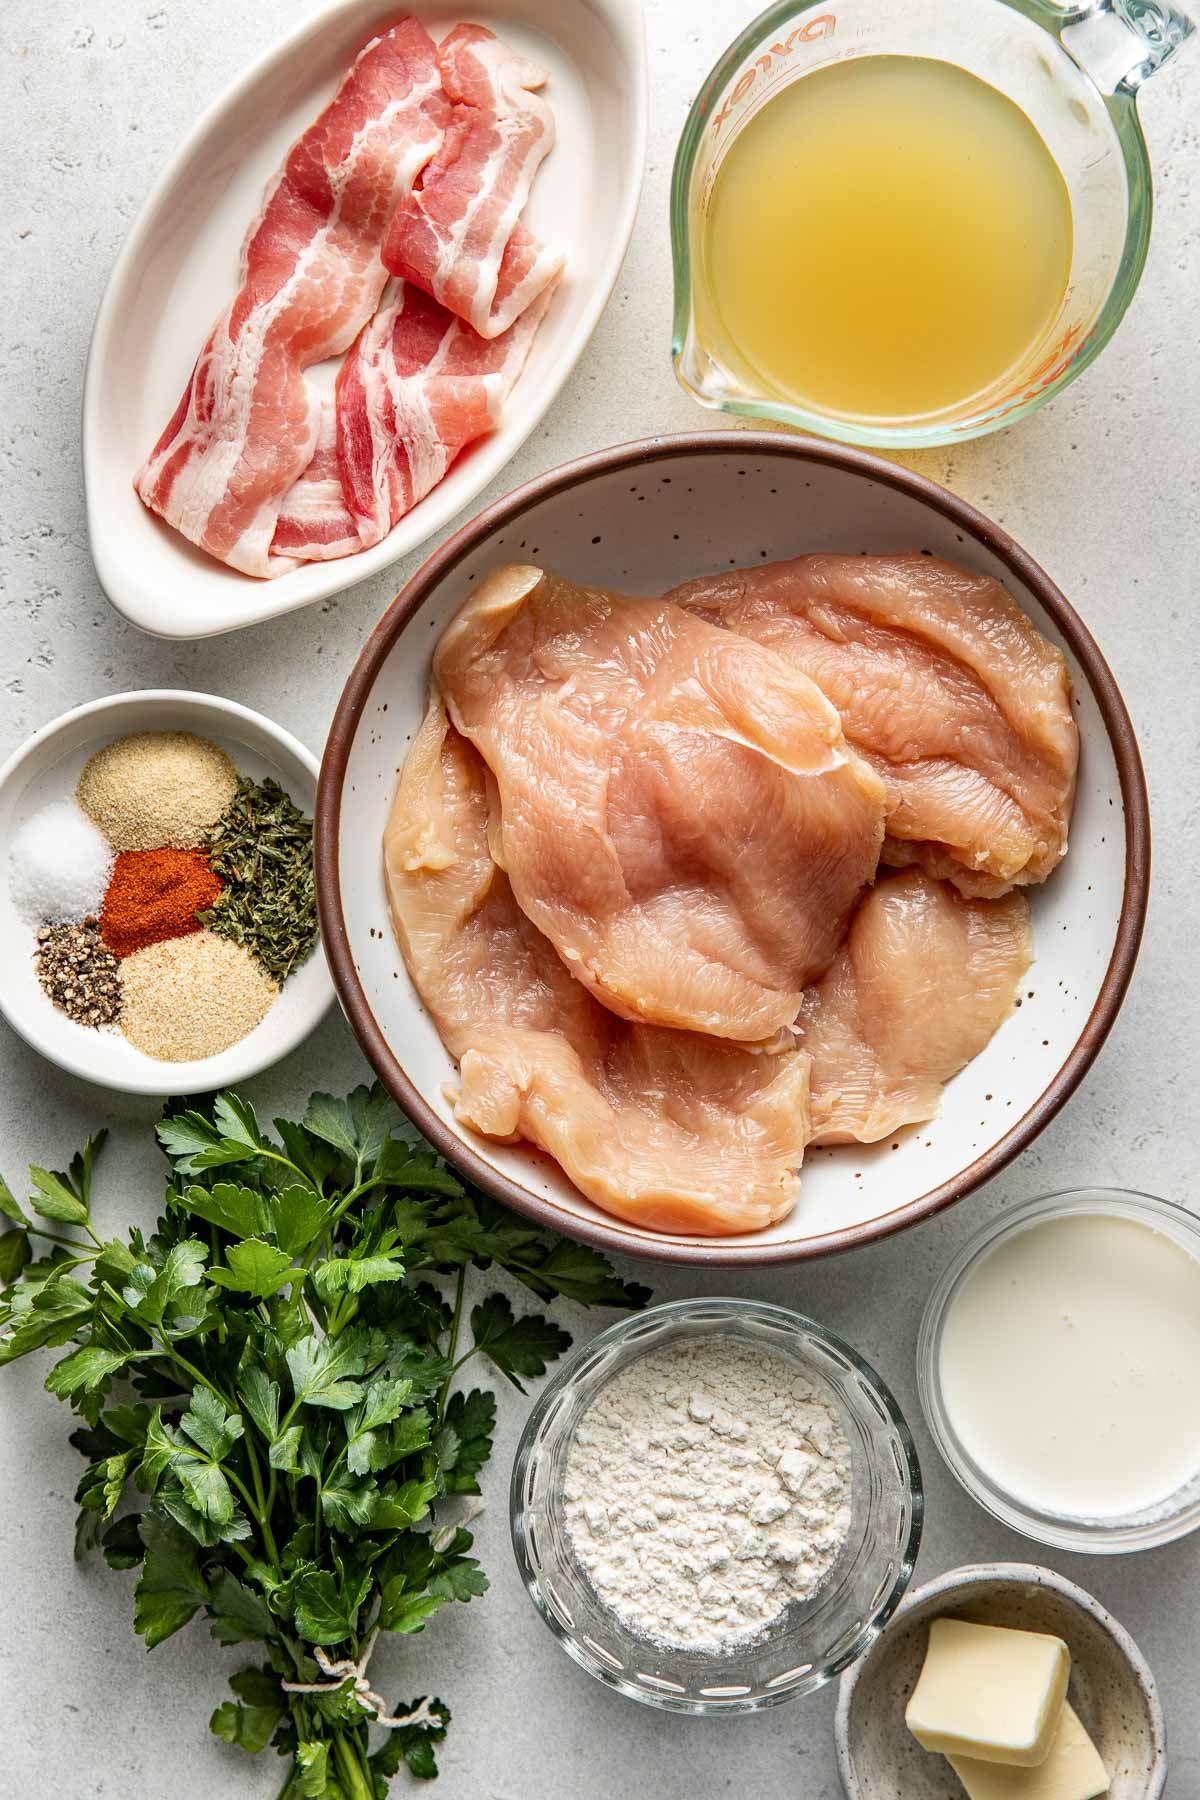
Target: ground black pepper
79, 972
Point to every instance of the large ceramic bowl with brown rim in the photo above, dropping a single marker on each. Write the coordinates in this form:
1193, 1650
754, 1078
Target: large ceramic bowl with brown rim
640, 518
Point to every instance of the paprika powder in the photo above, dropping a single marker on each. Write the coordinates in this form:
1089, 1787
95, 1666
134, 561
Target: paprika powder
153, 895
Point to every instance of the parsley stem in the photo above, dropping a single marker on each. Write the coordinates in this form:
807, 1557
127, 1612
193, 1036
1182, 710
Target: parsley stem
273, 1483
460, 1288
193, 1371
258, 1506
241, 1487
347, 1200
278, 1156
351, 1772
288, 1790
52, 1237
248, 1497
263, 1510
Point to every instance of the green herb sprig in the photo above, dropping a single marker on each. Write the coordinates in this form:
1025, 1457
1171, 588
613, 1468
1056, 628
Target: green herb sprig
261, 847
267, 1390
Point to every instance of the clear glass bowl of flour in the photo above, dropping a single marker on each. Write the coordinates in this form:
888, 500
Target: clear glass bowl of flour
809, 1641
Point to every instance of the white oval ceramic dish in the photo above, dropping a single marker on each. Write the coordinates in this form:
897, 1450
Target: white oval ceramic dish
1112, 1688
178, 268
47, 768
640, 518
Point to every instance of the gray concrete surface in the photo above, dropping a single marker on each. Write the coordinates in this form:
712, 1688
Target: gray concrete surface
1101, 487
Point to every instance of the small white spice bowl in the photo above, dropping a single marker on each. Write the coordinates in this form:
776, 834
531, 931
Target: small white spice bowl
1112, 1688
812, 1640
47, 768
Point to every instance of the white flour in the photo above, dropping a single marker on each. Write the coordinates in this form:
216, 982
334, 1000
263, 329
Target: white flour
706, 1487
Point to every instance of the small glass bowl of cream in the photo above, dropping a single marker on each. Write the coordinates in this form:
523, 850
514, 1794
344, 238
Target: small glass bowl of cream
1059, 1369
811, 1641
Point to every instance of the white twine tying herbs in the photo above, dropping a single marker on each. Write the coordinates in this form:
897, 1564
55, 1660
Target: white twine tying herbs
344, 1669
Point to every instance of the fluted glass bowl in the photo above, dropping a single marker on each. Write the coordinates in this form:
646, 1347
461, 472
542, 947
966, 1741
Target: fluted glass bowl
814, 1639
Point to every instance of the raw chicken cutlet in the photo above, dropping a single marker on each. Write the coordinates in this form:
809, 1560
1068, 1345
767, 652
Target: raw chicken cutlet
672, 1131
678, 810
922, 983
943, 684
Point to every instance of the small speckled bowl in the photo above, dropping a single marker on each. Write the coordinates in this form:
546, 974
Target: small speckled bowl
1112, 1688
640, 518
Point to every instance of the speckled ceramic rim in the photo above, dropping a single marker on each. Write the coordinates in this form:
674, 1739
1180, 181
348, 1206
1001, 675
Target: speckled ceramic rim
954, 1589
612, 1234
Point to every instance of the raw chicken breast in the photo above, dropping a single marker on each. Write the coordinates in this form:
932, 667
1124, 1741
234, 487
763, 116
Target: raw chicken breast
921, 984
943, 683
672, 1131
678, 809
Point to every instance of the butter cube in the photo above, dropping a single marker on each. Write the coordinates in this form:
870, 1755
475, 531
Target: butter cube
1072, 1771
989, 1692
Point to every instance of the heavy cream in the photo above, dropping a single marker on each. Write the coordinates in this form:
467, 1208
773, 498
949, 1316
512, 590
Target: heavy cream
1070, 1365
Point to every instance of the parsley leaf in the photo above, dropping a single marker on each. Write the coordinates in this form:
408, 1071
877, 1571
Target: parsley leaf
8, 1205
15, 1254
231, 1207
152, 1293
580, 1273
322, 1372
298, 1215
367, 1447
470, 1421
412, 1744
322, 1616
250, 1727
356, 1126
53, 1199
260, 1396
194, 1144
347, 1502
254, 1267
238, 1613
171, 1589
84, 1370
516, 1346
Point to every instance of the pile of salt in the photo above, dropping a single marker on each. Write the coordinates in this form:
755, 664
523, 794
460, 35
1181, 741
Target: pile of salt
59, 865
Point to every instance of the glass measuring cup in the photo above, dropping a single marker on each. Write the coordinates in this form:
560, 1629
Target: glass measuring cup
1073, 70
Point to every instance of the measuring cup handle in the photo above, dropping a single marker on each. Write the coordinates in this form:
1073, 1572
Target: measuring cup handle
1161, 30
1121, 43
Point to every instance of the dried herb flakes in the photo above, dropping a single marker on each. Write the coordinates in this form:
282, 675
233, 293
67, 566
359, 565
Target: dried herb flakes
261, 847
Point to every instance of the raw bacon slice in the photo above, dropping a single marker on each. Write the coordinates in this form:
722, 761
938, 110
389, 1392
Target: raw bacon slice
672, 1131
458, 235
247, 425
924, 980
417, 387
315, 524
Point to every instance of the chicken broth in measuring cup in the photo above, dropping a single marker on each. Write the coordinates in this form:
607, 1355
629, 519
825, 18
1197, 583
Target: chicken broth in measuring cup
885, 239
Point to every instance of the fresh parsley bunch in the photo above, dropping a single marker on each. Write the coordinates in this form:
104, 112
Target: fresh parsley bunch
270, 1380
